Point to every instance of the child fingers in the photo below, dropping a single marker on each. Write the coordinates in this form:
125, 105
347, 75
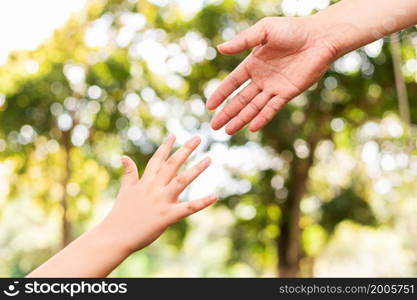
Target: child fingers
184, 209
172, 165
160, 156
184, 179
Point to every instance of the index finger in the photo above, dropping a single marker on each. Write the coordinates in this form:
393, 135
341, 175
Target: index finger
231, 83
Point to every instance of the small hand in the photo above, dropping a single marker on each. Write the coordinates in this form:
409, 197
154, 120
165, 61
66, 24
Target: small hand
289, 55
145, 207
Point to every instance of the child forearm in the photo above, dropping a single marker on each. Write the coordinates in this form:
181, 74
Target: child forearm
94, 254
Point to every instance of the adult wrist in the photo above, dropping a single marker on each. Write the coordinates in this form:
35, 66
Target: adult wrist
336, 37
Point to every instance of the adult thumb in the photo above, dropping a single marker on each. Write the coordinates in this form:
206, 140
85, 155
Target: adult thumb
130, 175
247, 39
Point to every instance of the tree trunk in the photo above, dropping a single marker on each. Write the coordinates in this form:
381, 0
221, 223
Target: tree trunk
66, 225
289, 239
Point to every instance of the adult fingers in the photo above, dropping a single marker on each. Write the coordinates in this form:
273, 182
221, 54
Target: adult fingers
267, 113
248, 113
235, 106
231, 83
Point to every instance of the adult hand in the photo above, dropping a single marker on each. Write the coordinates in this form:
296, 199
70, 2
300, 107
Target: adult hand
289, 55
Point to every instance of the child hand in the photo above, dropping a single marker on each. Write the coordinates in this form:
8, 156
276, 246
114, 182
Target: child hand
145, 207
143, 210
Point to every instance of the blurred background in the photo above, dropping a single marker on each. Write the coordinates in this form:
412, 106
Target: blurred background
328, 188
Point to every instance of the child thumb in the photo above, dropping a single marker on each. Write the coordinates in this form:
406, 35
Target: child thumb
130, 175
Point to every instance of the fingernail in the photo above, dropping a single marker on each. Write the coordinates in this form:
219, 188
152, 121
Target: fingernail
229, 131
125, 161
214, 124
170, 137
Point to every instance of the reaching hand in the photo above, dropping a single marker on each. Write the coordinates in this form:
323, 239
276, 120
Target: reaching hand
145, 207
289, 56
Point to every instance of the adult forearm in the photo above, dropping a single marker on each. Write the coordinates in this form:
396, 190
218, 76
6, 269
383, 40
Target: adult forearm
350, 24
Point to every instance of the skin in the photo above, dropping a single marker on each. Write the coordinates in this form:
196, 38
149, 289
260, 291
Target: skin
143, 210
291, 54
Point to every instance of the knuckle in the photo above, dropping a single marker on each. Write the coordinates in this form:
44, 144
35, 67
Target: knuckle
153, 158
184, 153
274, 104
241, 119
255, 108
245, 116
242, 99
182, 180
171, 161
227, 112
157, 155
233, 80
164, 213
200, 167
169, 216
191, 206
187, 147
264, 116
264, 26
221, 94
246, 42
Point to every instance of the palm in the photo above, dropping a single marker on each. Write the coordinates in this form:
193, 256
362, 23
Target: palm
284, 65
